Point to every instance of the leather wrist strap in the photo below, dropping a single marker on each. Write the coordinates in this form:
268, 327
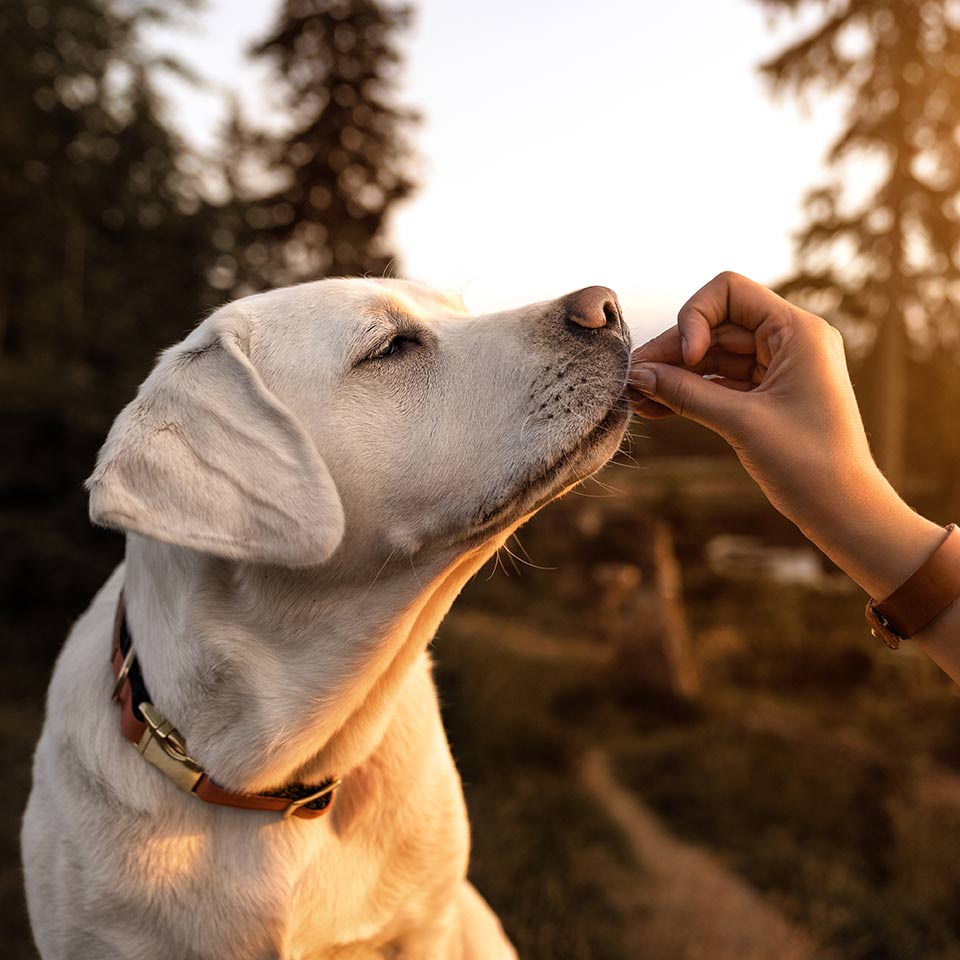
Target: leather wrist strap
922, 597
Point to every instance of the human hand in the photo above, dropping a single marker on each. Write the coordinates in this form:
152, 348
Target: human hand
782, 398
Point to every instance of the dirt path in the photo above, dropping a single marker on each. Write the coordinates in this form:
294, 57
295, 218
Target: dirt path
689, 906
686, 904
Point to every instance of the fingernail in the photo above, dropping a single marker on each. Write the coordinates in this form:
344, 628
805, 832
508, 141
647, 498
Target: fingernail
683, 348
644, 379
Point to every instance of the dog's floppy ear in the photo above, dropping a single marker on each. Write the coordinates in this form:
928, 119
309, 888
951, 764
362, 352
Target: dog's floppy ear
207, 457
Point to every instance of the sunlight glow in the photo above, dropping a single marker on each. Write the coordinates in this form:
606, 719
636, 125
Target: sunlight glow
620, 143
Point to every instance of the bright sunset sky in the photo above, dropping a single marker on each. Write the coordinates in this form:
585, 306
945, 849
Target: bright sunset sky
621, 142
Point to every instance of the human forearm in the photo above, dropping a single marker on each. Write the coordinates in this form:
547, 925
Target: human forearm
879, 542
790, 413
941, 640
870, 533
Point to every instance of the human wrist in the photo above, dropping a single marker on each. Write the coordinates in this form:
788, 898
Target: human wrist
873, 535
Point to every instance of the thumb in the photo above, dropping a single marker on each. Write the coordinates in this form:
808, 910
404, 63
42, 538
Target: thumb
688, 394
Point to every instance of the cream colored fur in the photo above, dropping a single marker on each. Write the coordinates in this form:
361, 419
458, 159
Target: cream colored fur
300, 514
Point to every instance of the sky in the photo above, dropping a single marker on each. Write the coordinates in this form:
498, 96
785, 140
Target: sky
563, 144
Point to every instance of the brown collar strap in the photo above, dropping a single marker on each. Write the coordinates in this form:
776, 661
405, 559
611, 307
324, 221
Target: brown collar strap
161, 744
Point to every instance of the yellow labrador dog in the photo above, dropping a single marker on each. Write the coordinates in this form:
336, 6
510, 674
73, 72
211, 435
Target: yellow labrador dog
306, 482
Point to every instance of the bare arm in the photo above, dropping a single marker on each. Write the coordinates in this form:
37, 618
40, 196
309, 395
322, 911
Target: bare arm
782, 397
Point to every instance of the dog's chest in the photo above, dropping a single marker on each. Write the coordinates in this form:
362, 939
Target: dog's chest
294, 894
301, 896
376, 874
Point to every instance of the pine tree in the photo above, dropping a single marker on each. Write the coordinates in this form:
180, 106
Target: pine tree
343, 163
887, 267
104, 253
241, 265
92, 193
52, 71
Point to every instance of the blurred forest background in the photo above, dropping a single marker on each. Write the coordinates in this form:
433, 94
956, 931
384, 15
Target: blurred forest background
677, 738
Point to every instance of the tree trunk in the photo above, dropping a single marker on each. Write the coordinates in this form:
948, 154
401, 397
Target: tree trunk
890, 352
74, 276
5, 303
891, 396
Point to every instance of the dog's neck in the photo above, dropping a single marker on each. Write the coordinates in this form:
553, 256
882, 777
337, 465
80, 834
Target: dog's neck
280, 675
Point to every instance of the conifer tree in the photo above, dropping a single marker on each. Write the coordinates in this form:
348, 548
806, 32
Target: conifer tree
104, 253
94, 199
343, 161
240, 266
885, 266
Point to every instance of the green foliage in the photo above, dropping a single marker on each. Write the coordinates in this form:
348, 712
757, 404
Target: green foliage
885, 266
339, 164
102, 262
111, 250
545, 858
97, 212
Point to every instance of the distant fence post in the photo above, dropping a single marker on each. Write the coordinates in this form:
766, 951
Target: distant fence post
683, 676
642, 614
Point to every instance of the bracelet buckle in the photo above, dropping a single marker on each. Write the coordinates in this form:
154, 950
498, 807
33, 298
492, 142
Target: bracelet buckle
880, 626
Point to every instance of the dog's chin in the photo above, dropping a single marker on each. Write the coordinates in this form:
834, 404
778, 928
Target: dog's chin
591, 451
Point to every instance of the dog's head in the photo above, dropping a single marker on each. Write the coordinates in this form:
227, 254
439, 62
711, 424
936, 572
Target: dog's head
364, 417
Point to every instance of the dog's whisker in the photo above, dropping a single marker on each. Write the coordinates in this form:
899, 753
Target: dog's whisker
513, 560
606, 486
497, 562
414, 569
524, 425
630, 462
376, 577
526, 563
526, 553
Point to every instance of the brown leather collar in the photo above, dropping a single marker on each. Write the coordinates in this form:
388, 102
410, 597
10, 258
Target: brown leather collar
161, 744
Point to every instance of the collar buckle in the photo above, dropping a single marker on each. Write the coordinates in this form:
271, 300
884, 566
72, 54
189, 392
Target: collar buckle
295, 805
164, 747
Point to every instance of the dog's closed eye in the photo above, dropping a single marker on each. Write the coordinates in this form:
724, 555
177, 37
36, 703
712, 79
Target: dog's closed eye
392, 346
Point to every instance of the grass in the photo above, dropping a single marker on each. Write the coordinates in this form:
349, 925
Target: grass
544, 856
841, 844
839, 837
842, 839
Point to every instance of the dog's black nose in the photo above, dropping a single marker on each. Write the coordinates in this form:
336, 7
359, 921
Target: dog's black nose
592, 308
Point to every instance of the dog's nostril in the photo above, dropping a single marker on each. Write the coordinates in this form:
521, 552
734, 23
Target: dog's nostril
612, 314
592, 308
